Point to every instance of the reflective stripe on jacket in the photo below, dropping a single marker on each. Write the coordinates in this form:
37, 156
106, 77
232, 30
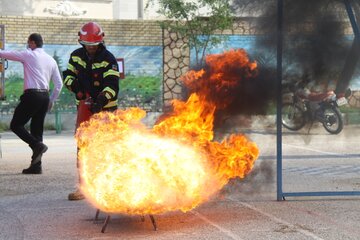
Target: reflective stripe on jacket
93, 76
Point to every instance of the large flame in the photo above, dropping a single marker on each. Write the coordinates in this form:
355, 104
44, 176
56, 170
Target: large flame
128, 168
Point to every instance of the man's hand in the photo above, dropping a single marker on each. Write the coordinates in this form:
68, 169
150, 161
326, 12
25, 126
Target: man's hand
100, 102
50, 106
95, 107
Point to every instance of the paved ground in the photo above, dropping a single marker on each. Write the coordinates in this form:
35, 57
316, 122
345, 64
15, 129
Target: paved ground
36, 207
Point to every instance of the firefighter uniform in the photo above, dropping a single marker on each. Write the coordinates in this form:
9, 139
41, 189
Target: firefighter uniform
97, 78
92, 73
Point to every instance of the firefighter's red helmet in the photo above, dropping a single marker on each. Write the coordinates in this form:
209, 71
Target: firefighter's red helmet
91, 34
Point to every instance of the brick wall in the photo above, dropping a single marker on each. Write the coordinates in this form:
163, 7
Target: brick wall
56, 30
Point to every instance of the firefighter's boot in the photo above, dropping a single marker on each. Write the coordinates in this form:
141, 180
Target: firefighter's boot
77, 195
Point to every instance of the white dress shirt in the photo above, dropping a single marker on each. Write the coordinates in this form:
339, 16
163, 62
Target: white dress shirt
39, 69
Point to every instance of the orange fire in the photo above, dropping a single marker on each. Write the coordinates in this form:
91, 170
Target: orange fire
127, 168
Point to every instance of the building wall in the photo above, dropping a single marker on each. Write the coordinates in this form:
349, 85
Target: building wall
98, 9
146, 48
64, 30
68, 8
139, 42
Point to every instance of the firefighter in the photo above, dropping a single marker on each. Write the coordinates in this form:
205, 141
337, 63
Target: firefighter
92, 73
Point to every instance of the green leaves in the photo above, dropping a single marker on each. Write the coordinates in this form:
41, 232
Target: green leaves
192, 19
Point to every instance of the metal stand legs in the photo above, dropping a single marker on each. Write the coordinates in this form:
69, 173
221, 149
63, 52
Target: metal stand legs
108, 219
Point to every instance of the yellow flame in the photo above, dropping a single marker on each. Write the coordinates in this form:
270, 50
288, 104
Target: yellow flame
128, 168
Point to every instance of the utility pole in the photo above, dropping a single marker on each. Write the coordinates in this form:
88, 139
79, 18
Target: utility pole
354, 53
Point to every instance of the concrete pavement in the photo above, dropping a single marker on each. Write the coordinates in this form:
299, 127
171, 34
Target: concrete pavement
36, 206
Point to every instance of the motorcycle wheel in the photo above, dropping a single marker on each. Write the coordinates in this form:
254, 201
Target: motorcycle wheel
293, 117
333, 122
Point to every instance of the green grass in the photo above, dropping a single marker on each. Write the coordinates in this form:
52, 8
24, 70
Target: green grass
147, 87
14, 86
4, 127
142, 88
347, 109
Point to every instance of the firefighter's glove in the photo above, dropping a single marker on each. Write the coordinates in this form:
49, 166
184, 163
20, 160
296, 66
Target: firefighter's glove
101, 99
80, 96
100, 102
95, 107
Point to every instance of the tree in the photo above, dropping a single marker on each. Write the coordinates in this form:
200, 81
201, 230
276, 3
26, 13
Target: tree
197, 21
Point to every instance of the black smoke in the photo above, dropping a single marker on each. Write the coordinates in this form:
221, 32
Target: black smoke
316, 41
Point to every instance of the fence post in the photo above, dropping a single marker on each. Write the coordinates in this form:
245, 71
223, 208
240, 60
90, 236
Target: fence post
57, 121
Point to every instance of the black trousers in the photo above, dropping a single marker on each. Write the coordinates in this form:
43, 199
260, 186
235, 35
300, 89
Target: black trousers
33, 106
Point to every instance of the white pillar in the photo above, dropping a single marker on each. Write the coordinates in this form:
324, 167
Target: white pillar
125, 9
140, 7
116, 9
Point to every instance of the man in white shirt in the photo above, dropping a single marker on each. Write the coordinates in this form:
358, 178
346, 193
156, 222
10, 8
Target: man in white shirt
39, 69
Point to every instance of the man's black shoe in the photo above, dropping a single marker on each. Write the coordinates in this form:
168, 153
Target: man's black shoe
33, 169
38, 151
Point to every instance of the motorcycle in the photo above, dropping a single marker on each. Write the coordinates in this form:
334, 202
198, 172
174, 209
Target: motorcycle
299, 108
